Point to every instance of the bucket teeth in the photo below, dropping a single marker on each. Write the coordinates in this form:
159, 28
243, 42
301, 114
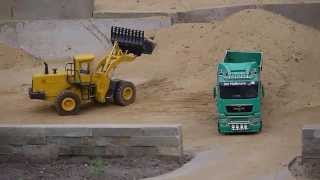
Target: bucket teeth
131, 40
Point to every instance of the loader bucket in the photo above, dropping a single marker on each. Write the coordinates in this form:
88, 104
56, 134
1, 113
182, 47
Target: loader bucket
131, 40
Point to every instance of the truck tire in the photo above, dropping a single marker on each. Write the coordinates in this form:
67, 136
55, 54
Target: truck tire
219, 130
260, 129
125, 93
67, 103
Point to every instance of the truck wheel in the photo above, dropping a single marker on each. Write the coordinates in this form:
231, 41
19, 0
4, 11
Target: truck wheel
260, 129
67, 103
125, 93
218, 128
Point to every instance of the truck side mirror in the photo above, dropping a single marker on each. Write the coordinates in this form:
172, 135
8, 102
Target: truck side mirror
262, 90
214, 92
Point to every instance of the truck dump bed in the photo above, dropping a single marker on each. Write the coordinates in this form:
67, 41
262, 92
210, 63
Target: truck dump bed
243, 57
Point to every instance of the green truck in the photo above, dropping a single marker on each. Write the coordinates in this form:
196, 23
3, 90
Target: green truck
239, 92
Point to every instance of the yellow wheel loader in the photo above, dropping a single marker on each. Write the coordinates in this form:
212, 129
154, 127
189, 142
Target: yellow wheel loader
75, 85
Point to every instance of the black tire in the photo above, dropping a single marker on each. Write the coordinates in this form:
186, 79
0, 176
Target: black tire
61, 97
120, 98
261, 127
218, 128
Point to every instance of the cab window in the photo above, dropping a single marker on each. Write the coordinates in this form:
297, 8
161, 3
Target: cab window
84, 68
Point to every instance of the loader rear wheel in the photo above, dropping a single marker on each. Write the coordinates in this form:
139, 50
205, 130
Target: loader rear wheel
67, 103
125, 93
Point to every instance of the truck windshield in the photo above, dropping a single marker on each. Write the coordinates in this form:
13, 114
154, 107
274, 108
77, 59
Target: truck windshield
239, 91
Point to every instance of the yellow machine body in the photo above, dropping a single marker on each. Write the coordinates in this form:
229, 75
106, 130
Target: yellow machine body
52, 84
80, 82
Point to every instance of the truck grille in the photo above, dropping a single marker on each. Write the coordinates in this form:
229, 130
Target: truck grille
241, 108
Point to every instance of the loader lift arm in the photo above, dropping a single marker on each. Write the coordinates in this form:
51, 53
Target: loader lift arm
109, 62
128, 44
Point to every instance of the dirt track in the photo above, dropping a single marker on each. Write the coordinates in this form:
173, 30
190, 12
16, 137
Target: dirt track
175, 83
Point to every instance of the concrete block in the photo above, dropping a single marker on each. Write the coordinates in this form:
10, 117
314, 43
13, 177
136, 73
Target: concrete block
117, 132
88, 141
88, 150
142, 151
311, 131
64, 150
70, 141
116, 151
22, 140
7, 150
78, 140
170, 141
170, 151
40, 152
21, 131
311, 148
68, 132
174, 130
311, 142
120, 141
103, 141
142, 130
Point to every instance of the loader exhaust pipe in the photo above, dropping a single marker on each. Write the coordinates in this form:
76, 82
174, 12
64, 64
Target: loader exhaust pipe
46, 68
131, 40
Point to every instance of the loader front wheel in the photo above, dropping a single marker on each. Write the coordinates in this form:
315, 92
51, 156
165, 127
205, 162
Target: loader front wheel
67, 103
125, 93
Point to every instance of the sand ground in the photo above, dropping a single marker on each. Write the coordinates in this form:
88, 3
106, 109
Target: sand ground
174, 5
175, 86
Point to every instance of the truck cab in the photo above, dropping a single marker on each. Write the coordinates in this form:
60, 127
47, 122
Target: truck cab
239, 92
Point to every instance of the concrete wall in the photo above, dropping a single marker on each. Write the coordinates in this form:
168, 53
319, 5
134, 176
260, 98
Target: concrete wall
311, 142
304, 13
60, 39
46, 9
45, 142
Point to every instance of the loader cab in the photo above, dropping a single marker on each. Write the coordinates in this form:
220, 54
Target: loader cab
78, 72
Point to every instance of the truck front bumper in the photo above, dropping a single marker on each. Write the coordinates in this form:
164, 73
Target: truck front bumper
36, 95
236, 125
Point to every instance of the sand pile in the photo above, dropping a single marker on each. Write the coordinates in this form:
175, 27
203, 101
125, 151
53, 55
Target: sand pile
179, 76
187, 55
12, 57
